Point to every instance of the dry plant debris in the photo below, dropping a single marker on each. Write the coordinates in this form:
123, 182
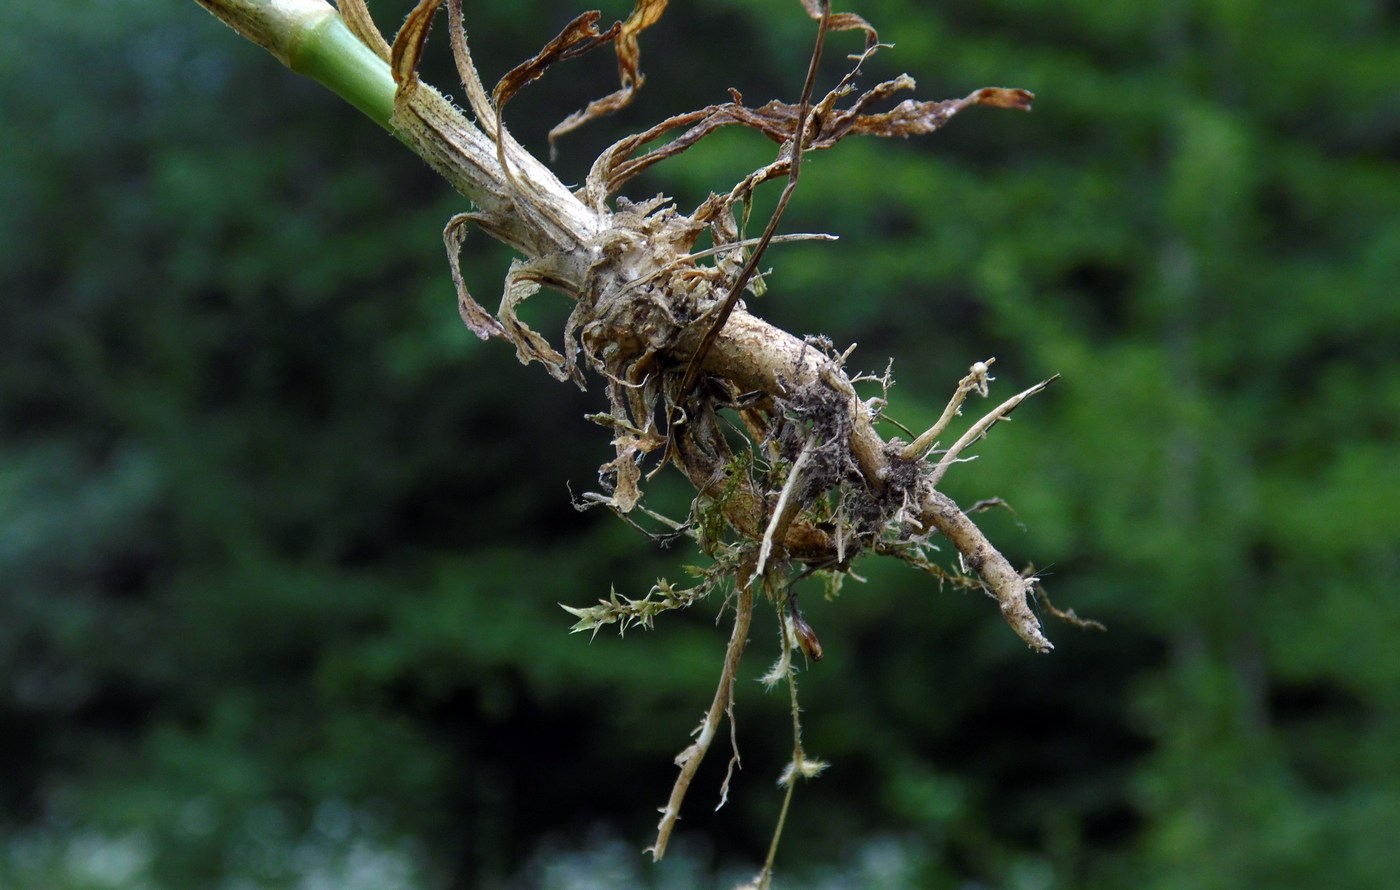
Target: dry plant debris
791, 477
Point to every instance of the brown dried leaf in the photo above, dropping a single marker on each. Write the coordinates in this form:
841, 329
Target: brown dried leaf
912, 118
645, 14
1001, 97
466, 68
615, 166
778, 121
522, 282
481, 322
626, 491
908, 118
408, 46
842, 21
578, 37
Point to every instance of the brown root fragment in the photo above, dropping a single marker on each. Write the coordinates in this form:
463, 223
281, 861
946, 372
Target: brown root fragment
977, 380
689, 759
741, 280
1006, 585
1068, 616
980, 428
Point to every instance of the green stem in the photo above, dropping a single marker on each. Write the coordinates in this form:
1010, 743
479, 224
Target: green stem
334, 57
309, 37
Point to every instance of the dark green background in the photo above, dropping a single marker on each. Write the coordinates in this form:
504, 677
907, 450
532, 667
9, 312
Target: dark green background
281, 543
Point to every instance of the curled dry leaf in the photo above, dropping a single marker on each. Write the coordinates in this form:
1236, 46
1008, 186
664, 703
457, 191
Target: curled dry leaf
523, 281
578, 37
913, 118
778, 121
474, 315
407, 50
645, 14
842, 21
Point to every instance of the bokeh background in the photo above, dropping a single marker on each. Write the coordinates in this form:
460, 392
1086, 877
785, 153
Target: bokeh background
281, 544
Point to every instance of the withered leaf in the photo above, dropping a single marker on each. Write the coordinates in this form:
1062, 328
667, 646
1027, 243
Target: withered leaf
1001, 97
778, 121
522, 282
474, 315
842, 21
408, 45
578, 37
645, 14
910, 117
628, 476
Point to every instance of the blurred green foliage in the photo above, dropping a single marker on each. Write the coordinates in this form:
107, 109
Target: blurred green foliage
281, 543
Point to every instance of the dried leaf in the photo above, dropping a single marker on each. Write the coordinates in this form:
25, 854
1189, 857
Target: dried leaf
842, 21
408, 46
1001, 97
578, 37
908, 118
911, 118
778, 121
627, 474
481, 322
466, 68
522, 282
645, 14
